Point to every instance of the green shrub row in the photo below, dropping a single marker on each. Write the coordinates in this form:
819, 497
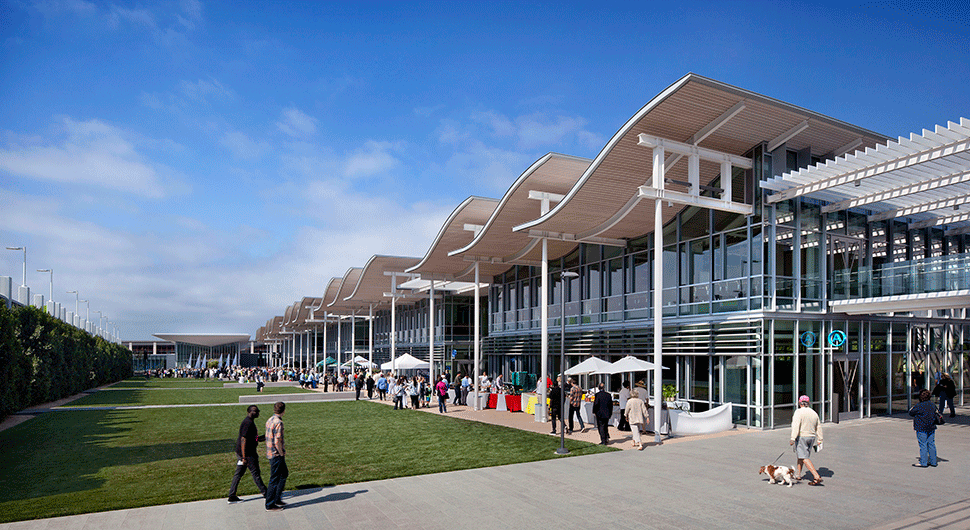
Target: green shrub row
44, 359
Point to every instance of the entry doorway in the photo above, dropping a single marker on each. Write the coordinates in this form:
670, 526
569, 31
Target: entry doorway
847, 385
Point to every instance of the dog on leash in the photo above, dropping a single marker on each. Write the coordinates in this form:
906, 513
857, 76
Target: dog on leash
778, 474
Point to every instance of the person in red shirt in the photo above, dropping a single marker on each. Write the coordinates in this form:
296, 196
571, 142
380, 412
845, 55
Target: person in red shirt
442, 389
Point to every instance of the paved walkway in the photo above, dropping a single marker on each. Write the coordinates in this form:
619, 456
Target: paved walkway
684, 483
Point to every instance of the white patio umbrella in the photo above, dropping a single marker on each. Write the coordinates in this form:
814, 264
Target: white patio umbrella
630, 364
593, 365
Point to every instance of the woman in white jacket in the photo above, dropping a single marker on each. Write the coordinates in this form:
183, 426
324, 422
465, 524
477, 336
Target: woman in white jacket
636, 414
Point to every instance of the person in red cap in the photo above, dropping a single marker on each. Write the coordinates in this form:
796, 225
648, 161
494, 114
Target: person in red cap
806, 432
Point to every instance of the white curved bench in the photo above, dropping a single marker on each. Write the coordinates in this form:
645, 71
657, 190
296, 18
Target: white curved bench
715, 420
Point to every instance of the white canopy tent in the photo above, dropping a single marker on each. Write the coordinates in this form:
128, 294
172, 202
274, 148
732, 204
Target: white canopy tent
406, 362
358, 361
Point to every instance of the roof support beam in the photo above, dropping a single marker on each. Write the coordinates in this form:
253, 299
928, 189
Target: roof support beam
648, 192
959, 177
913, 159
555, 236
708, 130
473, 228
851, 146
787, 135
546, 198
711, 155
949, 202
961, 217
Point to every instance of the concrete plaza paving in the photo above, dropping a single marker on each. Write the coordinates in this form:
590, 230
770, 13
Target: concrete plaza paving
693, 483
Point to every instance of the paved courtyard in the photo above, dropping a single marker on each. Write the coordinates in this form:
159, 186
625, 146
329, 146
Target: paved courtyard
688, 483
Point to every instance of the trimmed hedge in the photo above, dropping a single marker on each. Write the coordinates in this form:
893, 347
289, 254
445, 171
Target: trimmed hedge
43, 359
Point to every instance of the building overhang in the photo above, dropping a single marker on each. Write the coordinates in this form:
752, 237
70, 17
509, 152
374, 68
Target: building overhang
903, 303
210, 340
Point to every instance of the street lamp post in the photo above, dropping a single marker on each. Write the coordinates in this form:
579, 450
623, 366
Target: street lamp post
76, 300
51, 299
562, 361
24, 248
87, 315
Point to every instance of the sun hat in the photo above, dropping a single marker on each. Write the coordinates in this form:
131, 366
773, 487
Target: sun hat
805, 399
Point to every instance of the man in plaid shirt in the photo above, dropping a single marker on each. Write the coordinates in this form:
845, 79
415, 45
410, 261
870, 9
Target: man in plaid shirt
575, 402
276, 454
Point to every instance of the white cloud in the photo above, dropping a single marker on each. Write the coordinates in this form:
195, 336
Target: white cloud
372, 159
500, 125
242, 146
494, 149
296, 124
537, 129
91, 153
206, 91
135, 17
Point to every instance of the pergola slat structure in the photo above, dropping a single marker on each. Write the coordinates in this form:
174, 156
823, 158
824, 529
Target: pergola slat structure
924, 179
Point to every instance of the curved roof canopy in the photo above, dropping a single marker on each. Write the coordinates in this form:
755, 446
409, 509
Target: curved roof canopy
376, 279
464, 223
605, 201
338, 305
496, 247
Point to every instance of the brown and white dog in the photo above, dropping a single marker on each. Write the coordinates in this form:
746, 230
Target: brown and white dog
778, 474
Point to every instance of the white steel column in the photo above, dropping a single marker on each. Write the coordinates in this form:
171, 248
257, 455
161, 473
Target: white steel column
477, 349
431, 332
315, 361
393, 330
353, 338
658, 284
325, 322
544, 334
340, 325
370, 339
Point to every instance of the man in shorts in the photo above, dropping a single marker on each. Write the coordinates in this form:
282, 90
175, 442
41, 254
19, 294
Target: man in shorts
806, 433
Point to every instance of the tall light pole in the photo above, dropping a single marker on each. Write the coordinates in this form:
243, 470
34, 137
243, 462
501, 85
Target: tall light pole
562, 361
100, 316
24, 248
87, 316
76, 300
51, 299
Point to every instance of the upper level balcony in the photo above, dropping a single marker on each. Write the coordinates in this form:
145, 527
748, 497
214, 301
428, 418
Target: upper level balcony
941, 282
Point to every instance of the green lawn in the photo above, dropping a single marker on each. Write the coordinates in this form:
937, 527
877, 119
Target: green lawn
174, 396
63, 463
140, 382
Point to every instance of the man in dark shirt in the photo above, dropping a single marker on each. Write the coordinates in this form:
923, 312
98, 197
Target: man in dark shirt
246, 452
555, 405
603, 410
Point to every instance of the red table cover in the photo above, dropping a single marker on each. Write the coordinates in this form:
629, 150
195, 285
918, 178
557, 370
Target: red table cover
514, 403
492, 401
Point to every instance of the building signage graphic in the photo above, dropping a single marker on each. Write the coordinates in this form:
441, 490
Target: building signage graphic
836, 338
808, 339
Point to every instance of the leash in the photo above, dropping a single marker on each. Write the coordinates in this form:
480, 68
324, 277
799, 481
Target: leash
779, 456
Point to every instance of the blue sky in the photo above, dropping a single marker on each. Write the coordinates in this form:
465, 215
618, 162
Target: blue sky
197, 167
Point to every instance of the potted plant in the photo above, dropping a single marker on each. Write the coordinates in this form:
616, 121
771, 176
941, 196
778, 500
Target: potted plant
669, 392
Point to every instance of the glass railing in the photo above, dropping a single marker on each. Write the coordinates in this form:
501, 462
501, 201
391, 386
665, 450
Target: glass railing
928, 275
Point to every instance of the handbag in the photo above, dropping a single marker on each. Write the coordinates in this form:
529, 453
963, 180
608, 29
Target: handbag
939, 419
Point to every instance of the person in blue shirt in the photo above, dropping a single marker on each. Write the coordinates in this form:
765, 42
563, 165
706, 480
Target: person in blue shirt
924, 423
382, 386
